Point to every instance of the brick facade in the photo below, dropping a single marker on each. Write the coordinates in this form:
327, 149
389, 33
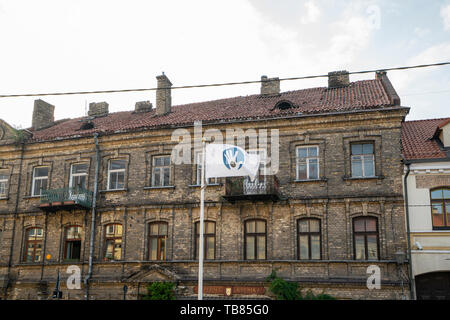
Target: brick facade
335, 199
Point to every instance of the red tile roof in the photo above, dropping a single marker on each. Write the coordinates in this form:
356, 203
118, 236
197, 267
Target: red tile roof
417, 142
359, 95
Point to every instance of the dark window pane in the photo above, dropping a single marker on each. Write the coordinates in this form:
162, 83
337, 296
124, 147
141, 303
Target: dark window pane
302, 152
312, 152
359, 248
304, 247
315, 247
372, 248
314, 225
79, 168
371, 224
250, 250
117, 164
446, 193
250, 226
313, 169
260, 227
303, 225
369, 170
261, 247
436, 194
357, 166
41, 172
301, 171
210, 243
356, 149
367, 148
359, 225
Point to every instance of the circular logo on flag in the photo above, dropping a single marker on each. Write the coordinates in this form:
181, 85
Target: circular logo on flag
233, 158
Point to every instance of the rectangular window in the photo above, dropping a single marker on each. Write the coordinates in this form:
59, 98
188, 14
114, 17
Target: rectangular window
363, 160
113, 242
73, 244
78, 175
440, 208
40, 180
307, 163
309, 239
255, 240
209, 239
161, 171
3, 185
116, 174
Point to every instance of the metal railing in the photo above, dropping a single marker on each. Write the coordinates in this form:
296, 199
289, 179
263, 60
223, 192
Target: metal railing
262, 185
67, 196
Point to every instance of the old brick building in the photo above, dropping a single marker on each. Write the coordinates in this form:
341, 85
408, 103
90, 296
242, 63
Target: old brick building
334, 207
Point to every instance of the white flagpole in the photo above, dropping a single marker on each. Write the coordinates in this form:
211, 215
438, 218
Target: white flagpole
202, 213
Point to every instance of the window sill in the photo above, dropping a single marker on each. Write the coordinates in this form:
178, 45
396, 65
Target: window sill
440, 228
208, 185
4, 198
32, 197
113, 190
159, 187
310, 180
362, 178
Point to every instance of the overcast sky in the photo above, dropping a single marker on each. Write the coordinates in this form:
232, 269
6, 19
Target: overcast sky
59, 46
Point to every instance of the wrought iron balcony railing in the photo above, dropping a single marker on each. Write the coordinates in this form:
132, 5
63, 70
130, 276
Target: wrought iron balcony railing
241, 188
66, 197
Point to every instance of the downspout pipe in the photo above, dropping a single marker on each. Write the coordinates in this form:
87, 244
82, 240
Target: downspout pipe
94, 205
408, 233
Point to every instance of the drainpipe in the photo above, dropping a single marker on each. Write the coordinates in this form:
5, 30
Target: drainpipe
22, 147
94, 203
408, 233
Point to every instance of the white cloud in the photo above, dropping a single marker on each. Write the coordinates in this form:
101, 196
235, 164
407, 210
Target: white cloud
312, 13
445, 14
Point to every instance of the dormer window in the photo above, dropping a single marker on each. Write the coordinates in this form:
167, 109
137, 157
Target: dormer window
284, 104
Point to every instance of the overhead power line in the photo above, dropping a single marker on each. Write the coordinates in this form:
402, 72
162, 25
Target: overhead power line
214, 84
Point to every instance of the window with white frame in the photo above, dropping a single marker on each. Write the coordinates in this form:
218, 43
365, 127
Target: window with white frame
116, 174
3, 185
40, 180
78, 175
307, 161
363, 160
198, 176
161, 171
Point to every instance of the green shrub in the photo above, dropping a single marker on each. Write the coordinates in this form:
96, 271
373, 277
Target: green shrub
284, 290
160, 291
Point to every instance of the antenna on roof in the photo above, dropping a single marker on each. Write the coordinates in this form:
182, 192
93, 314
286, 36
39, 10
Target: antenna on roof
85, 107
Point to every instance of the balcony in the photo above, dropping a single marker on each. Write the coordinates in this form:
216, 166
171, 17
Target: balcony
66, 199
241, 188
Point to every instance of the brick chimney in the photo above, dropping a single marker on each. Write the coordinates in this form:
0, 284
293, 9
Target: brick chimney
143, 106
163, 95
98, 109
393, 96
337, 79
43, 114
270, 86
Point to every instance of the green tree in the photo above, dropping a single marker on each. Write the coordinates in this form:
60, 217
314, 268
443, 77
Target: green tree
160, 291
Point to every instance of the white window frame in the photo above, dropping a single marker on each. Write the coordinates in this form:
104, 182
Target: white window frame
38, 178
363, 161
198, 172
161, 176
4, 181
116, 171
72, 175
307, 159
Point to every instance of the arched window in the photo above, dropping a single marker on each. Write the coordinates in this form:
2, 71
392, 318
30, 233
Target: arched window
365, 238
157, 241
72, 243
209, 239
440, 208
309, 244
255, 238
113, 242
33, 244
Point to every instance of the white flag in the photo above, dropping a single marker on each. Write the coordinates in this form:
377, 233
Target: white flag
224, 160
